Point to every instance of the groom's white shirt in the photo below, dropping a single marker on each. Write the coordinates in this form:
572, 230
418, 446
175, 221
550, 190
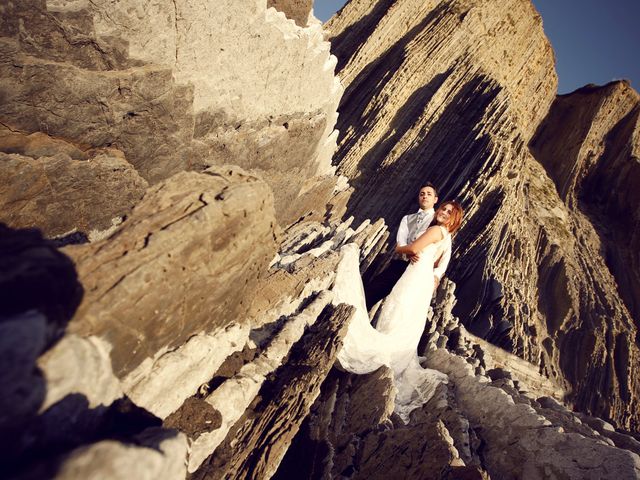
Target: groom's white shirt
405, 236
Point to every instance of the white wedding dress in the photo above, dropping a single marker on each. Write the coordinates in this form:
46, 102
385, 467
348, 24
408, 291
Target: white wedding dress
401, 324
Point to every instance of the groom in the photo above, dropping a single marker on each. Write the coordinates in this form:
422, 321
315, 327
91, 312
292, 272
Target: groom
411, 227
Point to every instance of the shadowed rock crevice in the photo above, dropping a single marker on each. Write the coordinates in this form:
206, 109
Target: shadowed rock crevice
193, 330
532, 274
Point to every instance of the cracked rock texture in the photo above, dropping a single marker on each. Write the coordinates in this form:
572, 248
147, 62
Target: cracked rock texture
296, 10
453, 92
185, 235
172, 225
596, 169
61, 195
177, 85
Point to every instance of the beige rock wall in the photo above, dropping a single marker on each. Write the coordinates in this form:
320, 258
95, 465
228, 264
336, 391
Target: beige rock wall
410, 68
297, 10
60, 195
452, 92
190, 231
589, 144
177, 86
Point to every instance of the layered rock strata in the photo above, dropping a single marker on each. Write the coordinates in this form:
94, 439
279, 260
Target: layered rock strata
486, 423
107, 98
196, 338
296, 10
452, 92
178, 373
590, 145
62, 195
177, 86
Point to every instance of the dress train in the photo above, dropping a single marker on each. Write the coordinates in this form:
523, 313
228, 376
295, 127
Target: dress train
402, 320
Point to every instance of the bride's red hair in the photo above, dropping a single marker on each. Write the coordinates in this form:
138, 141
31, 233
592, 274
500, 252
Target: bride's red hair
455, 218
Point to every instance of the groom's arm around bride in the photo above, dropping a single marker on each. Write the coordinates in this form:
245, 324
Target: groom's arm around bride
411, 227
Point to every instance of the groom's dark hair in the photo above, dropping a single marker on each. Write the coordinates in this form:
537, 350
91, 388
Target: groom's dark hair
430, 185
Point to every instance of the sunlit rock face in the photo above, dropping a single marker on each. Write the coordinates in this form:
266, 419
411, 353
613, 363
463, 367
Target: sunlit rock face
177, 85
431, 88
296, 10
187, 146
589, 146
453, 92
178, 314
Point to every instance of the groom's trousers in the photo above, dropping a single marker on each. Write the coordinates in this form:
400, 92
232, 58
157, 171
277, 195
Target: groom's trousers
381, 285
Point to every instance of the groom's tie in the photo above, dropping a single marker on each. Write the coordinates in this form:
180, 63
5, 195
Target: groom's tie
418, 225
422, 217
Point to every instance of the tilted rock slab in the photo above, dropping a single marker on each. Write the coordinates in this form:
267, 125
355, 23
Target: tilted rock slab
236, 394
522, 444
58, 194
297, 10
177, 85
259, 440
452, 92
167, 291
590, 144
427, 88
156, 454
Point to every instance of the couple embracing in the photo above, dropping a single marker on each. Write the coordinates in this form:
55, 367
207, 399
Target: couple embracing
424, 239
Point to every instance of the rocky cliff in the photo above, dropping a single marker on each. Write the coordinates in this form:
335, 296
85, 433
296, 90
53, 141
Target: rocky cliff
589, 146
162, 83
174, 230
452, 93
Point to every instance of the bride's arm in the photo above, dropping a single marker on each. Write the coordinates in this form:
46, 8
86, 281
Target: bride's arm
432, 235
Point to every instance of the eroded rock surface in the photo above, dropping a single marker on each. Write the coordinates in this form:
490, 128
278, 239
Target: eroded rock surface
59, 194
180, 238
197, 338
297, 10
487, 422
589, 144
452, 92
177, 86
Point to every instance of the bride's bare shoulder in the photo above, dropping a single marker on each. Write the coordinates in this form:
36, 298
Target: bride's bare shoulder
438, 230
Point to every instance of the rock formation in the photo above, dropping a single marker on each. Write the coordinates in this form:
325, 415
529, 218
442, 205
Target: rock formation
173, 233
486, 420
594, 165
98, 104
163, 84
453, 92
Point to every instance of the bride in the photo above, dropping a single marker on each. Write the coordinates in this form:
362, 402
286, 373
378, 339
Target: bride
403, 316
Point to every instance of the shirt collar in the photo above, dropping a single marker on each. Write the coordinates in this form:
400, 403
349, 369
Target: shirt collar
430, 211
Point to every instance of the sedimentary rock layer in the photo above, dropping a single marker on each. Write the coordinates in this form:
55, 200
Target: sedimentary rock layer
177, 85
257, 443
590, 145
426, 84
297, 10
487, 422
60, 195
189, 231
452, 92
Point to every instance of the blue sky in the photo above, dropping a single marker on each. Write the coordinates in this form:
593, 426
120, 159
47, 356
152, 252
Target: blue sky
595, 41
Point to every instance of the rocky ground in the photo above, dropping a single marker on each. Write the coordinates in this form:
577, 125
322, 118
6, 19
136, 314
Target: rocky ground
176, 201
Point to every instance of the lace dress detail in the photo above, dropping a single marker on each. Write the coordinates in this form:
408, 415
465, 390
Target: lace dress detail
402, 321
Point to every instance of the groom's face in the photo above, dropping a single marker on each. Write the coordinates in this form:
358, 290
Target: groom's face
427, 198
